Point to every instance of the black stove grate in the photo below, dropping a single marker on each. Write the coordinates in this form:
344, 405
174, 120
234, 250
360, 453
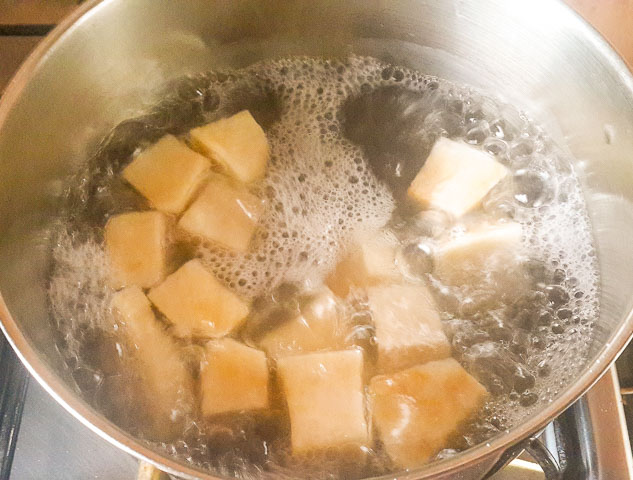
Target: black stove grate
13, 385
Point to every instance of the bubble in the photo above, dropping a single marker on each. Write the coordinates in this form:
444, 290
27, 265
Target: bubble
564, 313
544, 369
521, 150
557, 295
478, 135
528, 398
430, 223
416, 259
499, 202
559, 276
495, 146
523, 380
494, 366
532, 188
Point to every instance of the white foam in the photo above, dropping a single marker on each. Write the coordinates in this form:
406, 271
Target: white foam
78, 292
318, 189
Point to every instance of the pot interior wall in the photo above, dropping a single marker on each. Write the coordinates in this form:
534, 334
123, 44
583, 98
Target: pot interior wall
108, 66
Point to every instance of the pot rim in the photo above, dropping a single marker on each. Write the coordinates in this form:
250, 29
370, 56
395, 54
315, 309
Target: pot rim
96, 422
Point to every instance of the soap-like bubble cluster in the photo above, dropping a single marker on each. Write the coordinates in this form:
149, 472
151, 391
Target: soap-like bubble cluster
347, 137
78, 291
318, 190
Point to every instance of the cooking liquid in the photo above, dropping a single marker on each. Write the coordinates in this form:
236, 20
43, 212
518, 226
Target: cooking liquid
347, 138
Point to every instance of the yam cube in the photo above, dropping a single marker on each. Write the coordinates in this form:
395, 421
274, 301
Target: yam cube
408, 327
168, 174
487, 248
223, 213
233, 378
320, 326
197, 304
166, 382
237, 143
370, 262
324, 392
455, 178
416, 411
135, 243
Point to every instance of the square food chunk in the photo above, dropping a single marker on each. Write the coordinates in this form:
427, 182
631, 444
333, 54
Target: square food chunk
167, 384
455, 178
135, 244
370, 262
168, 174
197, 304
237, 143
486, 248
417, 410
234, 377
320, 326
223, 213
324, 392
408, 327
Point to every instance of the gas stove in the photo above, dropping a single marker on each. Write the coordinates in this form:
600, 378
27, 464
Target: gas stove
39, 439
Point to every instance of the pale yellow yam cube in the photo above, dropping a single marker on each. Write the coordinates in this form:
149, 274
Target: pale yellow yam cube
167, 384
416, 411
223, 213
233, 378
455, 178
486, 248
371, 261
408, 327
168, 174
320, 326
324, 392
135, 243
237, 143
197, 304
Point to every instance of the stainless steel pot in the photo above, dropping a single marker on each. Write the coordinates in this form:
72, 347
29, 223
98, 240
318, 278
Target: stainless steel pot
101, 65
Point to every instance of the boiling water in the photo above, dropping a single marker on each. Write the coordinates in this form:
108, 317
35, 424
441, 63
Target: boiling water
347, 138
